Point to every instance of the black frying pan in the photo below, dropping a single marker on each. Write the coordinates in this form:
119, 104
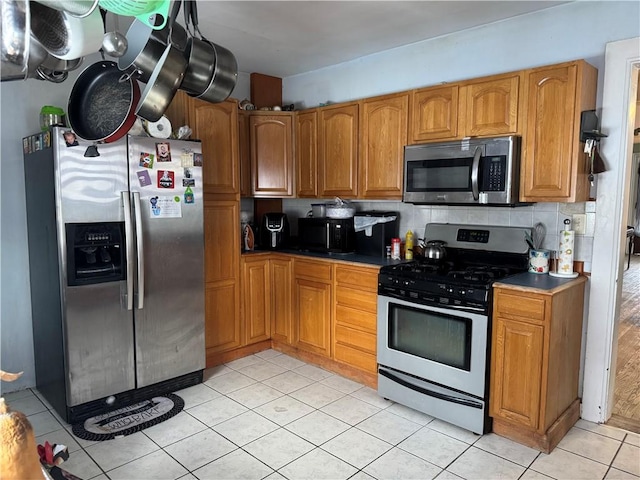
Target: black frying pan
101, 106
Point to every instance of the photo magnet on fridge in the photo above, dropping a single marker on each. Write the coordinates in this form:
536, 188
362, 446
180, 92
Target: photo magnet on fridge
163, 152
146, 160
166, 179
186, 158
188, 182
144, 178
197, 159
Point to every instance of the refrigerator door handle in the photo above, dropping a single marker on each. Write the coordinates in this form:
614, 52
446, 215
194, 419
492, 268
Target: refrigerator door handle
140, 247
128, 233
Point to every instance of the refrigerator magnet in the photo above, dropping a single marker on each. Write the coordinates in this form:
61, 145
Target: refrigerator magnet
197, 159
146, 160
70, 138
186, 158
163, 152
188, 196
188, 182
165, 207
166, 179
144, 178
188, 173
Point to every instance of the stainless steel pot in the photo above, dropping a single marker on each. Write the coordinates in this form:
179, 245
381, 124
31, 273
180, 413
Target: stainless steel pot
318, 210
143, 51
223, 78
434, 250
16, 25
163, 85
200, 66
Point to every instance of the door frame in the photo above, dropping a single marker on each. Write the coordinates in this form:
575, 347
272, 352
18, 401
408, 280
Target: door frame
622, 61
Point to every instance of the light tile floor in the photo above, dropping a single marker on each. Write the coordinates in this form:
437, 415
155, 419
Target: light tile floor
272, 416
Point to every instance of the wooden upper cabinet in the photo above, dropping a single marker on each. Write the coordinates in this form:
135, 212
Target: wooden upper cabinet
338, 151
244, 152
383, 135
433, 114
216, 125
490, 107
554, 166
271, 154
307, 154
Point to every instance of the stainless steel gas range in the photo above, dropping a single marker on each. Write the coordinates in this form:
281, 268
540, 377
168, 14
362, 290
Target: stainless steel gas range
434, 322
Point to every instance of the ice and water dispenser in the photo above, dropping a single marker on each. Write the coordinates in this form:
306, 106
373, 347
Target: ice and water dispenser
95, 253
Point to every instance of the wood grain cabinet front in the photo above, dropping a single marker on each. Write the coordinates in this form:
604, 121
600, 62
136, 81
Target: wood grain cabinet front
535, 362
271, 138
338, 150
355, 316
554, 166
256, 305
307, 154
383, 135
312, 298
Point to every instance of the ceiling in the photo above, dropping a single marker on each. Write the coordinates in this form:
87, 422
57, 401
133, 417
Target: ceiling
284, 38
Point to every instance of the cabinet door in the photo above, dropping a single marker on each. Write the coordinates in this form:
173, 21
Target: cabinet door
216, 125
281, 299
549, 163
434, 114
256, 305
244, 152
338, 151
307, 154
313, 315
492, 106
516, 371
222, 304
383, 135
271, 155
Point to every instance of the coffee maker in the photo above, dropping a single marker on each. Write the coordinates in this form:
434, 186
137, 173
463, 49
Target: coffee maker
274, 232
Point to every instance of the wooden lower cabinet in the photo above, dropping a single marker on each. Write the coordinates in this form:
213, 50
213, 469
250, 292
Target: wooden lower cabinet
535, 362
355, 316
256, 299
280, 278
222, 325
312, 306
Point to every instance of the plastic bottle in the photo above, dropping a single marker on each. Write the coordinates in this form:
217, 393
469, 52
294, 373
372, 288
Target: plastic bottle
408, 246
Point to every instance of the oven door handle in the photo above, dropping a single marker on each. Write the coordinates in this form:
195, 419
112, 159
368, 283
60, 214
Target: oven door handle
475, 167
431, 393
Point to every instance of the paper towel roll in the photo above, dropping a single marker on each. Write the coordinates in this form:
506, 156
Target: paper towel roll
565, 254
159, 129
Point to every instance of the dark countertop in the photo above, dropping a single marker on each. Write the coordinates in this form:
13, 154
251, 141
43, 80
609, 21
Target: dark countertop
537, 281
344, 257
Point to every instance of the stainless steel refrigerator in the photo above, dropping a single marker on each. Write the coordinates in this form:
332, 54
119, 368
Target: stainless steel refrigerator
116, 258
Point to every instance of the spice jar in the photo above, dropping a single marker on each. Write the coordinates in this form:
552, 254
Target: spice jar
395, 248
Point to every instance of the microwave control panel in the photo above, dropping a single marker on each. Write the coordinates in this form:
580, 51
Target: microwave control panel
494, 173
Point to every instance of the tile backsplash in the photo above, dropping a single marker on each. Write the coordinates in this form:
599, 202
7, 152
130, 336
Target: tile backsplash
415, 217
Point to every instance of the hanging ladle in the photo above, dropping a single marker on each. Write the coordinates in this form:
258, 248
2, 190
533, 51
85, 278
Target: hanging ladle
114, 43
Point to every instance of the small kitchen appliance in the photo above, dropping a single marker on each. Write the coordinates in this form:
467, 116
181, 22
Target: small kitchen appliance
434, 322
374, 231
328, 235
478, 171
274, 233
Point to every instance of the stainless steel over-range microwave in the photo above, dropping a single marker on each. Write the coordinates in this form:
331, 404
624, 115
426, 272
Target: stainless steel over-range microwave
475, 171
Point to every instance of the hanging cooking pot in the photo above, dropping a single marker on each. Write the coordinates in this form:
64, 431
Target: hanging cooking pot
434, 250
65, 36
163, 85
101, 104
213, 71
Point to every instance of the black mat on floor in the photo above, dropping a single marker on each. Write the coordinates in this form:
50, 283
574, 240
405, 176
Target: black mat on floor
131, 419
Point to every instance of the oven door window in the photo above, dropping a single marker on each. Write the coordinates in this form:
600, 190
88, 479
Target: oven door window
438, 337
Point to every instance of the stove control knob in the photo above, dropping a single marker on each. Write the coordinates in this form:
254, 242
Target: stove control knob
450, 290
463, 292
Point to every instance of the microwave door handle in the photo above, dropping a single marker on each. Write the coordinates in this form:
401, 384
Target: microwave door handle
327, 230
475, 167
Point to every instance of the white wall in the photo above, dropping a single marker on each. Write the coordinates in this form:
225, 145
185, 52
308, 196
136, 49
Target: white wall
20, 108
567, 32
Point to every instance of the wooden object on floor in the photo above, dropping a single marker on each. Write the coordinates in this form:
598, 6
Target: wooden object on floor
535, 362
266, 91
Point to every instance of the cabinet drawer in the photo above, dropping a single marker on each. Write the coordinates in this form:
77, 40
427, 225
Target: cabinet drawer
361, 340
356, 318
519, 306
359, 278
319, 270
356, 358
366, 301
